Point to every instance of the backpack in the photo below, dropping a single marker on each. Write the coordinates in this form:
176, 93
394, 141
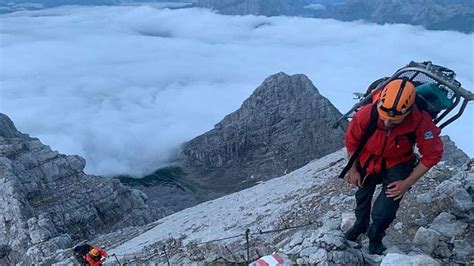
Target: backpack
82, 249
80, 252
437, 92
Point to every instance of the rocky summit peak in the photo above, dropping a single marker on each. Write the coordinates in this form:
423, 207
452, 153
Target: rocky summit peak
276, 92
7, 128
282, 126
279, 81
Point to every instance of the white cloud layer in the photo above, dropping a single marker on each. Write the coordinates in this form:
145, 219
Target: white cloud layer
123, 86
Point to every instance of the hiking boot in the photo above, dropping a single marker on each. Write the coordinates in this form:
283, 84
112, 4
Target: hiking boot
376, 247
354, 232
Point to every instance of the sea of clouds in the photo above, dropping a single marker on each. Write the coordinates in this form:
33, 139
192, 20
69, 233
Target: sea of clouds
124, 86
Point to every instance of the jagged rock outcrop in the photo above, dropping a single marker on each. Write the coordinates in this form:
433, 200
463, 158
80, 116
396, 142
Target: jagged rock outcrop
47, 202
452, 155
282, 126
449, 236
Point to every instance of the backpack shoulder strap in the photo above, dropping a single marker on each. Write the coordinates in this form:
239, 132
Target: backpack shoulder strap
374, 116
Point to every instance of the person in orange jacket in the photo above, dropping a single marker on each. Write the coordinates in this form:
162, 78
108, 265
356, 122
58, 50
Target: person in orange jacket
388, 157
95, 256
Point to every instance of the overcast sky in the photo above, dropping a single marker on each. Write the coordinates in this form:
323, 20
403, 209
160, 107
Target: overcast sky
123, 86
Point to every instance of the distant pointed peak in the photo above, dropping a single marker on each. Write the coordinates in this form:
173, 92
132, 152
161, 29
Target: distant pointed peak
7, 128
283, 80
282, 75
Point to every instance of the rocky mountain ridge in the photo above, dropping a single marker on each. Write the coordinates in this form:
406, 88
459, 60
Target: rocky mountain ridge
8, 6
433, 227
432, 14
456, 15
282, 126
47, 202
307, 8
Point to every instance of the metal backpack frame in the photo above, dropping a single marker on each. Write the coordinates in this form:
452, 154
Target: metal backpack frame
418, 73
422, 73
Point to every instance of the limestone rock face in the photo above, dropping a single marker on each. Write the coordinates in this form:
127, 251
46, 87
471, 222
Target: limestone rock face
282, 126
452, 155
46, 200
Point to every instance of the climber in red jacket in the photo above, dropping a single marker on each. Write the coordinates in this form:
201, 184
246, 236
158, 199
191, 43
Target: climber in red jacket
388, 157
95, 256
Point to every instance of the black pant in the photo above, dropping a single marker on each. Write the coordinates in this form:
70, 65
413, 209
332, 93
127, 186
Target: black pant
80, 252
80, 259
385, 208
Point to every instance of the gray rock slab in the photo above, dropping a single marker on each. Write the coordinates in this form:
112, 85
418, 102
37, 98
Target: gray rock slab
447, 225
394, 259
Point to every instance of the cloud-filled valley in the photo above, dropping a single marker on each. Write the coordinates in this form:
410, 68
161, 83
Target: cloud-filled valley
124, 86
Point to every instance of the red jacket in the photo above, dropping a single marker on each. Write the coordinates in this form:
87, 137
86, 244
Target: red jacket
395, 145
94, 262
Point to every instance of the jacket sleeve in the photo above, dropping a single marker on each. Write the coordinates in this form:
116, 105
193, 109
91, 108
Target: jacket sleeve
428, 142
356, 128
103, 253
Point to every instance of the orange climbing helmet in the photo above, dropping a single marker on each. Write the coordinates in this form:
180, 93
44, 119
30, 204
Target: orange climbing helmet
396, 100
94, 252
